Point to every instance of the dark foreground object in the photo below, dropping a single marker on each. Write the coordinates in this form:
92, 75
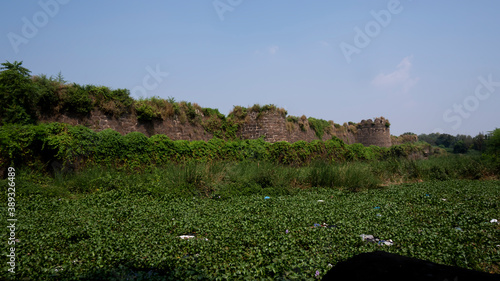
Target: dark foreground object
386, 266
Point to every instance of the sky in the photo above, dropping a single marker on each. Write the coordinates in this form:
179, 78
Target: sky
427, 66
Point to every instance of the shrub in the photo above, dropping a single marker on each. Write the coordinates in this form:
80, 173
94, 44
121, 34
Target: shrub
238, 112
209, 112
191, 112
145, 112
115, 102
319, 126
77, 100
50, 92
293, 119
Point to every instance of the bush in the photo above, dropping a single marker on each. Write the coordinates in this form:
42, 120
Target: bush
145, 112
319, 126
114, 102
77, 100
49, 90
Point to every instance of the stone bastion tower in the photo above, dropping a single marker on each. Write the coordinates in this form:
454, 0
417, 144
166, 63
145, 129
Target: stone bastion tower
276, 127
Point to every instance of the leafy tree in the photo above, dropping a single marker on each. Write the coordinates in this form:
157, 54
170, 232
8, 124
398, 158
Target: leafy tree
18, 95
479, 142
460, 147
445, 140
493, 145
430, 138
465, 138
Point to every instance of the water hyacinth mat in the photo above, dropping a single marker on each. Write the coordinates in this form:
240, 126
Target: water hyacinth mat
120, 235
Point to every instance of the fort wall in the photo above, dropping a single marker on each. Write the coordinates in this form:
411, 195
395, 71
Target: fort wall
271, 125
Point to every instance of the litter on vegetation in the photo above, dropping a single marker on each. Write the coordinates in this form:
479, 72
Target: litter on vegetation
385, 242
190, 237
323, 225
371, 239
267, 197
321, 200
458, 229
494, 221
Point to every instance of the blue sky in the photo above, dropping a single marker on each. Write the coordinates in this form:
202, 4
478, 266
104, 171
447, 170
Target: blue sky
426, 66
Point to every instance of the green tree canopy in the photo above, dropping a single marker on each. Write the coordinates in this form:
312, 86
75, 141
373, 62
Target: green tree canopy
18, 95
493, 144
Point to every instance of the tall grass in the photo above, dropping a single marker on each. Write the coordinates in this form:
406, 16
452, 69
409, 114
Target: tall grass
227, 179
353, 176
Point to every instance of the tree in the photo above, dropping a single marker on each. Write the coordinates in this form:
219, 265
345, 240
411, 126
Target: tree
479, 142
430, 138
445, 139
493, 145
18, 95
460, 147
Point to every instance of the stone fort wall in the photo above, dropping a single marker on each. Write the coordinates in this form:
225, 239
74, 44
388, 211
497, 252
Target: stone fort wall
273, 126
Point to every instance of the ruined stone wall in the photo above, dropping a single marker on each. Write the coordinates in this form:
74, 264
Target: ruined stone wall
274, 128
271, 125
99, 121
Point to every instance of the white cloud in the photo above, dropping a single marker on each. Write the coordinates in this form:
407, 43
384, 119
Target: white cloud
399, 79
273, 49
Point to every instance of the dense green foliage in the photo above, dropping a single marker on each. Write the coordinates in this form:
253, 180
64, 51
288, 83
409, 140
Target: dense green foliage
493, 147
465, 142
34, 145
18, 95
124, 231
319, 126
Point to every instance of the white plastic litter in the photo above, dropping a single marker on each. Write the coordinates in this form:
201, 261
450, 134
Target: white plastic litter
370, 238
321, 200
494, 221
386, 242
186, 236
